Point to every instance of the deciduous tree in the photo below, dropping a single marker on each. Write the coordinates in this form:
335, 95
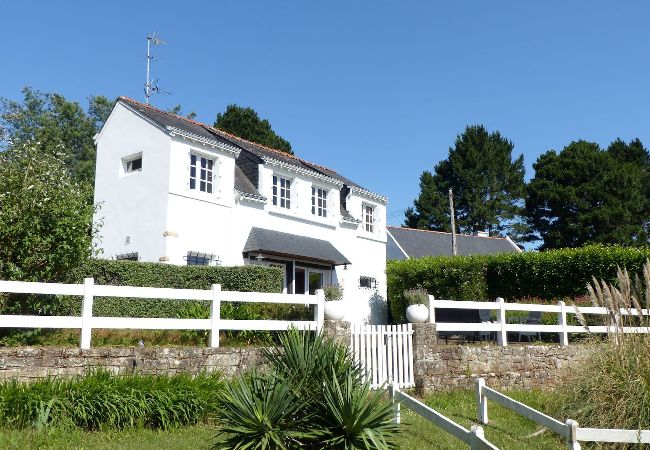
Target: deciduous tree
46, 227
50, 121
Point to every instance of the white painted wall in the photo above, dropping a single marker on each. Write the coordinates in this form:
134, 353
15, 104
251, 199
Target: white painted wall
134, 204
198, 221
158, 201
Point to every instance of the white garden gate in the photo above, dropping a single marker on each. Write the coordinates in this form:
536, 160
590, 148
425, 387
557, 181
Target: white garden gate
385, 352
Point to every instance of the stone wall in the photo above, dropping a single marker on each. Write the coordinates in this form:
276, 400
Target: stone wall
439, 366
33, 363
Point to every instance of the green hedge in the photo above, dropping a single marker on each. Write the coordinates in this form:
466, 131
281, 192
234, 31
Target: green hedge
132, 273
547, 276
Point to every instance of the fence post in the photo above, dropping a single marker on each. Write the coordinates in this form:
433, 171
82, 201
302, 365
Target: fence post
479, 436
87, 313
481, 402
502, 334
432, 310
564, 335
393, 387
572, 441
215, 315
319, 311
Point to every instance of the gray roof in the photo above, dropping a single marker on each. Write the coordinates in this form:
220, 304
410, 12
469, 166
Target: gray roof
345, 215
286, 244
419, 243
245, 186
166, 119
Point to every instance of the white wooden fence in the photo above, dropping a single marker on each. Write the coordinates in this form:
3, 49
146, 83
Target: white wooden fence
474, 437
500, 327
385, 352
569, 429
89, 291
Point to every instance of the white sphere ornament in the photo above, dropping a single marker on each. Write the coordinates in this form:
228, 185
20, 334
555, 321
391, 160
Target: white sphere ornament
417, 313
334, 310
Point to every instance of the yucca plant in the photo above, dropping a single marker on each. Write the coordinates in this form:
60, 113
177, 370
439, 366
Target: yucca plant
314, 398
260, 412
353, 417
310, 358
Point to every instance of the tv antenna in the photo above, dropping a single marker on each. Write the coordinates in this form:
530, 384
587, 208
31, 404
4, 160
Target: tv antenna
151, 87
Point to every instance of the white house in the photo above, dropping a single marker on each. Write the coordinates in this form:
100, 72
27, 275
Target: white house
177, 191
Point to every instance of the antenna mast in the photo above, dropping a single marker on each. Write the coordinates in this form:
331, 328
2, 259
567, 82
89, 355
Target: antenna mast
150, 86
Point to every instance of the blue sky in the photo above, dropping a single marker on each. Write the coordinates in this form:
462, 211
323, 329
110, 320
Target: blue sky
376, 90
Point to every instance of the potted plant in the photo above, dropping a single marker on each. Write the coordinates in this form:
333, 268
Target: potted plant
334, 307
416, 305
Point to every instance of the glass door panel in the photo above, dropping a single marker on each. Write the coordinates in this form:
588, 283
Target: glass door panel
315, 281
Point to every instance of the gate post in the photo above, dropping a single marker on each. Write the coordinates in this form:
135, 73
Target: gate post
425, 339
339, 331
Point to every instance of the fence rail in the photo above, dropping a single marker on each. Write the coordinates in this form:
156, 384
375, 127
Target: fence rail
89, 291
570, 429
474, 437
500, 327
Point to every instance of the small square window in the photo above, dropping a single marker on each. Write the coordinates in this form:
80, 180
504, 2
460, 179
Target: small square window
367, 282
132, 163
135, 165
199, 259
133, 256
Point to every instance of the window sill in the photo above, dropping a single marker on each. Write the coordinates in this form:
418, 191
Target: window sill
130, 174
291, 214
207, 198
376, 237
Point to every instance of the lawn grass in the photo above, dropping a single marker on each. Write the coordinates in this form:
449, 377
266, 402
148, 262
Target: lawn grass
196, 437
506, 430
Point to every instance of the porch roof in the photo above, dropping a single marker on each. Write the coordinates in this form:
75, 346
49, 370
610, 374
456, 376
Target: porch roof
277, 243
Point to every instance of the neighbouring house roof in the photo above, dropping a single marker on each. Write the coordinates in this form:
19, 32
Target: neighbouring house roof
172, 121
269, 242
411, 243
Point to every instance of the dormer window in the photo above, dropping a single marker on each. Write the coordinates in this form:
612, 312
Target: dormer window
318, 202
201, 173
281, 192
367, 214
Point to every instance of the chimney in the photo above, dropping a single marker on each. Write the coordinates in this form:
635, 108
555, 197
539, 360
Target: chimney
483, 233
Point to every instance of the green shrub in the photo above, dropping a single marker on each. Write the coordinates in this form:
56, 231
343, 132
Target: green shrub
133, 273
101, 400
543, 276
333, 292
556, 274
460, 278
416, 296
